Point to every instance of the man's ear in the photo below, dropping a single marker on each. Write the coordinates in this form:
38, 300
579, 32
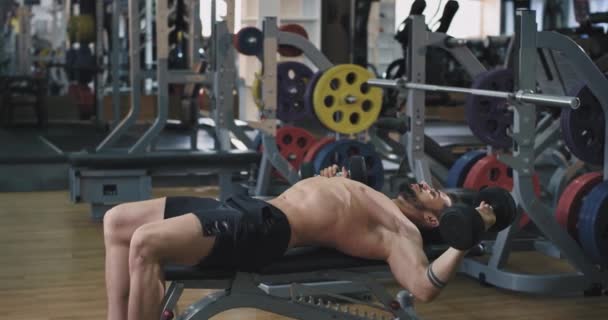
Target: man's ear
431, 220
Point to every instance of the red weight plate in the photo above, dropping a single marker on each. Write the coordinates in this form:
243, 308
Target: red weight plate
489, 172
571, 201
235, 42
312, 151
287, 50
293, 143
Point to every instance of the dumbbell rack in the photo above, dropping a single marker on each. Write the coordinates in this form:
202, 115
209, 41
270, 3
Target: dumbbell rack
271, 157
587, 275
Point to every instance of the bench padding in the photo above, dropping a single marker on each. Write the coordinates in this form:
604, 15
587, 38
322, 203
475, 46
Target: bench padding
305, 259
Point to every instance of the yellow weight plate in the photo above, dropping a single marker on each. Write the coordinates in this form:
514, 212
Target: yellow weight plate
44, 54
81, 29
256, 90
344, 102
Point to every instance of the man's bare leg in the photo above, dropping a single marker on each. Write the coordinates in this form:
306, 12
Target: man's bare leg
120, 223
177, 240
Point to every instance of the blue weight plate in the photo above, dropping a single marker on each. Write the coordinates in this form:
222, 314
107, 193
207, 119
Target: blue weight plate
292, 80
458, 172
339, 151
583, 128
308, 94
489, 117
593, 224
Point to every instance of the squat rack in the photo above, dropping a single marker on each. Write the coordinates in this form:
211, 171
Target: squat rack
587, 276
271, 156
528, 41
109, 176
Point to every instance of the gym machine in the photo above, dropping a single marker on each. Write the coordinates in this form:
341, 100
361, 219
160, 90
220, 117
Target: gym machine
414, 64
292, 291
587, 276
114, 175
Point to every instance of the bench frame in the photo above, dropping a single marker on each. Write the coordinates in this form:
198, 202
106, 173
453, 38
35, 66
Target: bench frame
304, 295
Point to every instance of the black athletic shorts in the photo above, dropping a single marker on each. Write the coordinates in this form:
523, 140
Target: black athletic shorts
250, 233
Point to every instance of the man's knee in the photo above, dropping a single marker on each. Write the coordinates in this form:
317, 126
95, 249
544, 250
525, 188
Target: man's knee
122, 220
114, 222
144, 247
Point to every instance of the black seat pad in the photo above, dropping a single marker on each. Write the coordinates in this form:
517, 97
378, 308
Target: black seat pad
305, 259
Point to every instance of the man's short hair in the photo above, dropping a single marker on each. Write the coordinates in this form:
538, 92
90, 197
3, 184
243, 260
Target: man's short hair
408, 194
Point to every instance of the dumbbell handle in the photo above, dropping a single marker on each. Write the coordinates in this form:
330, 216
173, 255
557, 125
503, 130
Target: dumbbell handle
522, 96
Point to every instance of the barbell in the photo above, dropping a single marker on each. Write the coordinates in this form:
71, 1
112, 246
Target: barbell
519, 96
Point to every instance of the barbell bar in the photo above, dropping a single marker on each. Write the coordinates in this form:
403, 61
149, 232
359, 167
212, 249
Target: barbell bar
520, 96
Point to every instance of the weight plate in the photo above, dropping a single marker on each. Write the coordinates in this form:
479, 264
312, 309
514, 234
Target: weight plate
81, 29
84, 98
344, 102
309, 93
569, 205
292, 80
249, 41
489, 117
593, 224
311, 153
583, 128
490, 172
256, 90
338, 153
458, 172
395, 69
287, 50
292, 142
84, 65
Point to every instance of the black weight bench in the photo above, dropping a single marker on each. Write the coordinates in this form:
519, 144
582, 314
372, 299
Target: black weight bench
107, 179
307, 283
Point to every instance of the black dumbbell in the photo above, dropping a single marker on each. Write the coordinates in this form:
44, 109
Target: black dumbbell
355, 165
462, 227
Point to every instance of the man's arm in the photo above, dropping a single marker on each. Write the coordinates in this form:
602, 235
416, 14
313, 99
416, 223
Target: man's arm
413, 271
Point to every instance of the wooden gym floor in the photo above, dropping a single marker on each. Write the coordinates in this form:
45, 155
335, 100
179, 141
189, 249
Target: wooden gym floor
52, 268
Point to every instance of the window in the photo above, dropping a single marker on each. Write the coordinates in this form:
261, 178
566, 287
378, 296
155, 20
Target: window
474, 19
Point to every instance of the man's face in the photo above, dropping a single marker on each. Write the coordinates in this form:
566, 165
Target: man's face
428, 201
431, 198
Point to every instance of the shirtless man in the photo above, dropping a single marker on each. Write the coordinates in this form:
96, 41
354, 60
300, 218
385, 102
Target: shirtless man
246, 234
